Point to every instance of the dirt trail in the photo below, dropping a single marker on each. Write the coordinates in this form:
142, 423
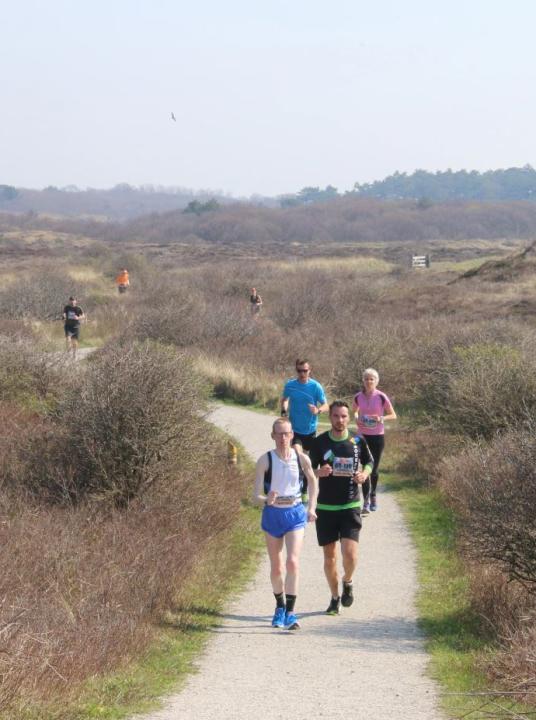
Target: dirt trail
367, 663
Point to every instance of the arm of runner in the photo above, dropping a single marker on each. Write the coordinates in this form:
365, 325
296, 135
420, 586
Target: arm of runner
284, 406
367, 461
317, 409
362, 475
259, 497
390, 414
312, 486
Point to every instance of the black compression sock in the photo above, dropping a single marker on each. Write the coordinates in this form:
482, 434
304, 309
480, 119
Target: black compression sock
279, 600
291, 601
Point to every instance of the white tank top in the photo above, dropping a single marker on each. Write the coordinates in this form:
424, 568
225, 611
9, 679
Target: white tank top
286, 475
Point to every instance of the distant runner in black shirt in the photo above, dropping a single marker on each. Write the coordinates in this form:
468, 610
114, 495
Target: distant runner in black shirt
255, 301
72, 314
344, 462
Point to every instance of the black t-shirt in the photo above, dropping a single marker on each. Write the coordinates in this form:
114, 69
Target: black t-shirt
344, 456
72, 314
255, 299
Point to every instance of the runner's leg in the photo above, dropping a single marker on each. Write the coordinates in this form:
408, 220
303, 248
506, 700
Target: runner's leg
293, 542
330, 568
275, 553
376, 444
349, 550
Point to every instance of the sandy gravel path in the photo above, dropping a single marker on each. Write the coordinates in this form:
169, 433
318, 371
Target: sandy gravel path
367, 663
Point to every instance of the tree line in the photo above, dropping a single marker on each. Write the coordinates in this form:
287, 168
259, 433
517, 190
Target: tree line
429, 187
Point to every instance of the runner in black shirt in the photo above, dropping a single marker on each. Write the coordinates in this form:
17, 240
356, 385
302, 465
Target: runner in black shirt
255, 301
72, 314
343, 462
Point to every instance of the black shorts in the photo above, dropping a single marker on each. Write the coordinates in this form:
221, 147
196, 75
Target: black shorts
72, 331
306, 441
332, 525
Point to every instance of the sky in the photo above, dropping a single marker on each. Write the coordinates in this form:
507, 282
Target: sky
269, 96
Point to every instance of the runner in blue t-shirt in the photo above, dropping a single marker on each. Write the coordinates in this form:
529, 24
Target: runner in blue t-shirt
304, 399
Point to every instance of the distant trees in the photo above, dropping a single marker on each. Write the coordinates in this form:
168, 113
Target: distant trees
308, 195
198, 208
509, 184
8, 192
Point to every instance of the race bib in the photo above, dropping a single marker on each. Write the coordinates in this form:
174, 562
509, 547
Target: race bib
285, 500
343, 466
368, 421
72, 315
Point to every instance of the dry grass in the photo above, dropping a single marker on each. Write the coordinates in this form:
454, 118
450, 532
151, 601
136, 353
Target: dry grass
88, 275
361, 264
240, 383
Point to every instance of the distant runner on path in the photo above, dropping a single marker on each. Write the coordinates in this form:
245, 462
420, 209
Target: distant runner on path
255, 302
72, 315
371, 408
304, 399
122, 281
278, 486
343, 463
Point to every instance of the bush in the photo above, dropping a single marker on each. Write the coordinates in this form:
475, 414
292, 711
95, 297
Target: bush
27, 375
40, 297
493, 489
83, 591
128, 420
480, 390
380, 345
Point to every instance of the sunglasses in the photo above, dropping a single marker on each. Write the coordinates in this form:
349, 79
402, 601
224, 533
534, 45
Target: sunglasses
303, 370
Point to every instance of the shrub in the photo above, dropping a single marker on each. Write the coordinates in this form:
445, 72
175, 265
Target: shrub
40, 297
27, 375
380, 345
493, 489
126, 422
83, 589
481, 389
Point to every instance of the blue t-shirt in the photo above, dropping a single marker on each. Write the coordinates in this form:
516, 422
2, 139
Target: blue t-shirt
300, 395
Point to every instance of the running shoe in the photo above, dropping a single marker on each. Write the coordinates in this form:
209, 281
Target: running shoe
347, 597
373, 503
278, 619
366, 508
291, 622
334, 607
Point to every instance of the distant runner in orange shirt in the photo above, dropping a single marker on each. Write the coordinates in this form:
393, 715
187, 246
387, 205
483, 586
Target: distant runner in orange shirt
122, 281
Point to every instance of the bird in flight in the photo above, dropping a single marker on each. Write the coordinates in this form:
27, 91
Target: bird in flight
173, 117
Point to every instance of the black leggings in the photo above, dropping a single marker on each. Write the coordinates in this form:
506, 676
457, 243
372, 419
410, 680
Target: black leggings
376, 444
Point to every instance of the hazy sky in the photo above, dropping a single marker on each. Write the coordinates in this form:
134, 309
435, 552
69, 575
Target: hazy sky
269, 96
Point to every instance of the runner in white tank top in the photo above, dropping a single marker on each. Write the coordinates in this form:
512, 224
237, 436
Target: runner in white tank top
278, 489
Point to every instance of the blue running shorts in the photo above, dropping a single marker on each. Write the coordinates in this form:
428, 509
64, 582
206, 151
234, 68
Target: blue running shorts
278, 521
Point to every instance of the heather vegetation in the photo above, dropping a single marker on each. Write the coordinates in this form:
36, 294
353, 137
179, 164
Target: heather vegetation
100, 462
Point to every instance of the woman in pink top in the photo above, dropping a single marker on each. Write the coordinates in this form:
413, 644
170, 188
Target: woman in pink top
371, 407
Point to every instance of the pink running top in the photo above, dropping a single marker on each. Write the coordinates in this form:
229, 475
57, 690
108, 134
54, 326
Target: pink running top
372, 405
